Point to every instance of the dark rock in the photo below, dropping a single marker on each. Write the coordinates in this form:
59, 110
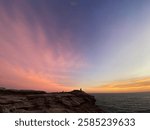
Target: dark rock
27, 101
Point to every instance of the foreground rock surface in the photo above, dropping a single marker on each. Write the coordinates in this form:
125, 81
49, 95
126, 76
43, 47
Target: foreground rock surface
27, 101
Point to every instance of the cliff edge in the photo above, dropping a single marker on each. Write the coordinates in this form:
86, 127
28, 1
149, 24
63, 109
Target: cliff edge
28, 101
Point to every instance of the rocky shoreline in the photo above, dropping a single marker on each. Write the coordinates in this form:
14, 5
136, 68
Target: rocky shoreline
29, 101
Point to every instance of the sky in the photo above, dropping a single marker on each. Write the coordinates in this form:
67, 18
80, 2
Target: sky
61, 45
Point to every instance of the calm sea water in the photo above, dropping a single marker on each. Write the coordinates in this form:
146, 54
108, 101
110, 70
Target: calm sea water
124, 102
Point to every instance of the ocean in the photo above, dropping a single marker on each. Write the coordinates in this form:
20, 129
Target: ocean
124, 102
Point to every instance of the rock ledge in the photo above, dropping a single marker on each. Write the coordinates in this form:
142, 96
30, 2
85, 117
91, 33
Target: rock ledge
29, 101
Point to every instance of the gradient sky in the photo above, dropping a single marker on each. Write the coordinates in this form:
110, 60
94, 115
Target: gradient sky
60, 45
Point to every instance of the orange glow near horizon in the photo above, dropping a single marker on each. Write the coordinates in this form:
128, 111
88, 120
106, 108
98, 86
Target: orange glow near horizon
126, 86
56, 46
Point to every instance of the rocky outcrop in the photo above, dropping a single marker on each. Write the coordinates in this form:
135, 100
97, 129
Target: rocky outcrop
27, 101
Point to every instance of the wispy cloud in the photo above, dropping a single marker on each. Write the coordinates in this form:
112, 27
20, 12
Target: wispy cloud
30, 58
132, 85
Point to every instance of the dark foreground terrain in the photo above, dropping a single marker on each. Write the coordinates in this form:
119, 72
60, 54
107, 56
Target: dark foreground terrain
27, 101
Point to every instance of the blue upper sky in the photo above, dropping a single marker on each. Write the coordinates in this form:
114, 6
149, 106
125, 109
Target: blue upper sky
92, 42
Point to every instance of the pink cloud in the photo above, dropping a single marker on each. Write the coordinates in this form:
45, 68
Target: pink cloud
29, 59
